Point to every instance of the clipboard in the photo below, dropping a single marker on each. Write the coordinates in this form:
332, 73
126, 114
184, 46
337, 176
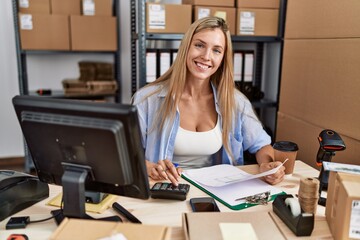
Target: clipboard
242, 204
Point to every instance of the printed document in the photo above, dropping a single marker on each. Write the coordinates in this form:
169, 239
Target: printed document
229, 183
223, 174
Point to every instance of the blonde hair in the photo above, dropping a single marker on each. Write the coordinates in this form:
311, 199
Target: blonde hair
223, 79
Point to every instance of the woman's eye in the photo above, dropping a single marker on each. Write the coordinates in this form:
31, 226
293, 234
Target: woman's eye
218, 51
199, 45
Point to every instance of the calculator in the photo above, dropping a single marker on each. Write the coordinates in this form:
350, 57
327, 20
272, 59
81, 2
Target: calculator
169, 191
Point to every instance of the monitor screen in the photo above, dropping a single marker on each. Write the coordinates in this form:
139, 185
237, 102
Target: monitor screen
84, 145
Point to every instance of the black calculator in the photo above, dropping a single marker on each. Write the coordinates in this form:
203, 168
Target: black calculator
169, 191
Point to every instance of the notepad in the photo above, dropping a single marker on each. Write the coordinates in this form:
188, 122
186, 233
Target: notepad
231, 195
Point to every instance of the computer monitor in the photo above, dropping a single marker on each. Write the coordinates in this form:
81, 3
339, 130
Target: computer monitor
84, 146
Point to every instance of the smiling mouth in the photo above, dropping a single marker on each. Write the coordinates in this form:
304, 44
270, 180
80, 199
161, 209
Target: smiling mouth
202, 66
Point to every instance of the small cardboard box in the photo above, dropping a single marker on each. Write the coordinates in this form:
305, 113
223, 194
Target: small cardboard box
206, 225
343, 206
34, 6
94, 230
44, 32
167, 18
227, 13
257, 22
97, 7
275, 4
66, 7
93, 33
215, 3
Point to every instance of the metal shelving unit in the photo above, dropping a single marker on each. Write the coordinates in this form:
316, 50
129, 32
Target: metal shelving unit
140, 39
23, 71
22, 54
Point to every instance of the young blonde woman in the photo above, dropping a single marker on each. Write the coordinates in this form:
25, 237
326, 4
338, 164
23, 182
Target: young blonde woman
193, 116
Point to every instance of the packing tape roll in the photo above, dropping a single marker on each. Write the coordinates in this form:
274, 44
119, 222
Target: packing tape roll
294, 206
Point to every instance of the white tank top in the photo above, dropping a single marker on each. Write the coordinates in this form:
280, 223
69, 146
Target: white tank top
193, 149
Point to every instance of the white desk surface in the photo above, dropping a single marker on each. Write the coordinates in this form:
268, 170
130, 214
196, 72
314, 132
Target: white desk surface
169, 212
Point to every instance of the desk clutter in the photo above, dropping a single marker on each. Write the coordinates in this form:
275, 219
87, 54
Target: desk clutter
95, 78
285, 218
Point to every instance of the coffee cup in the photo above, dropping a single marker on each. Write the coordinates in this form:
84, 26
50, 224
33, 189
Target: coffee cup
286, 150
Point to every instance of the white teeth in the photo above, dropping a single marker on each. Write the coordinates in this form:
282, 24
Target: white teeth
202, 66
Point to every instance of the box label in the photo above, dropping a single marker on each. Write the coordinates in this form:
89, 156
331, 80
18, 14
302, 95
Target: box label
26, 22
220, 14
88, 7
157, 16
354, 230
203, 12
247, 23
24, 3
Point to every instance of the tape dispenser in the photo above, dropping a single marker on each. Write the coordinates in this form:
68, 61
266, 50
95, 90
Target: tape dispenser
289, 211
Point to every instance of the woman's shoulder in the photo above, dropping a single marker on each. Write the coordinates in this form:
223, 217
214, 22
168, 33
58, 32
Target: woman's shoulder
241, 99
147, 92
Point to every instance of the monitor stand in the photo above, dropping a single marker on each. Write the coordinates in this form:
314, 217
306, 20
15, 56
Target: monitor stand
73, 182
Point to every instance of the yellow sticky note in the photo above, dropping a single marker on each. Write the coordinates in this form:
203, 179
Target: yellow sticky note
89, 207
220, 14
235, 231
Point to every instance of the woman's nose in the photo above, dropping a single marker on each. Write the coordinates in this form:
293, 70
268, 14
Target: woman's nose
206, 54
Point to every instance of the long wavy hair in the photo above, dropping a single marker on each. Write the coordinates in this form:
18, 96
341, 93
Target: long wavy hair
223, 79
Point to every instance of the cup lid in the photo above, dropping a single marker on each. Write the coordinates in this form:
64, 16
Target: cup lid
286, 146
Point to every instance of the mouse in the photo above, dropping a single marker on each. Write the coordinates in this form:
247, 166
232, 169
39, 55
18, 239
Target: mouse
18, 191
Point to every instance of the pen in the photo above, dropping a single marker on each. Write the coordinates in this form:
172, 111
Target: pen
176, 165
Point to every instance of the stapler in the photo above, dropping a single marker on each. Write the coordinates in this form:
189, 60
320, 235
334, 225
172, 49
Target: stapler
301, 224
18, 191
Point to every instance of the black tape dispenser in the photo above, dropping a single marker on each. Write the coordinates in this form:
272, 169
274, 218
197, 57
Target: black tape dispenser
288, 209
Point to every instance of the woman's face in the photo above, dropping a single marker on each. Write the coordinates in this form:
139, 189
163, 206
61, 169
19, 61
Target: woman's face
206, 53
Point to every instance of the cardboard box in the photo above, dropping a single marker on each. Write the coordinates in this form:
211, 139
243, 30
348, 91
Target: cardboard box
205, 225
343, 206
228, 14
258, 4
93, 230
305, 135
167, 18
257, 22
66, 7
322, 19
34, 6
97, 8
44, 32
217, 3
318, 83
93, 33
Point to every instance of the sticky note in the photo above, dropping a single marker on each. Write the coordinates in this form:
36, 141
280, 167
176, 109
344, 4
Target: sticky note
235, 231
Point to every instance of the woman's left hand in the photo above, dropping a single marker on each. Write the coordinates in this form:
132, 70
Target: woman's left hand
276, 177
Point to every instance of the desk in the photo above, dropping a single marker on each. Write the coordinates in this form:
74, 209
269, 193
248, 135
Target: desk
169, 212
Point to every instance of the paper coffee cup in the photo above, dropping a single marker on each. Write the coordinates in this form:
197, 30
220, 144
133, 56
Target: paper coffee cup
286, 150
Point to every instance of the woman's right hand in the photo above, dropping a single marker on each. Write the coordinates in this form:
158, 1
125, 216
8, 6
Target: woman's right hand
163, 170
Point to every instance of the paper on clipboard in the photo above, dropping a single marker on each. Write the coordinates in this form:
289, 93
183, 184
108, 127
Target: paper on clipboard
224, 174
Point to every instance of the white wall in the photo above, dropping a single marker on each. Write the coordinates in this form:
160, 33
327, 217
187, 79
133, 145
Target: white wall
45, 71
10, 134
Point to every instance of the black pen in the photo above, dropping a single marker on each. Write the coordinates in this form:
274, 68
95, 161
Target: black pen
120, 209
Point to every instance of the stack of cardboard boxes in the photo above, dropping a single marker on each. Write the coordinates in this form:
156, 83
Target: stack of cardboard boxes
78, 25
244, 17
320, 79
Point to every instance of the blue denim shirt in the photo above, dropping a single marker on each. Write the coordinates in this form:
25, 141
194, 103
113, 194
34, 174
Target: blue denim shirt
247, 131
